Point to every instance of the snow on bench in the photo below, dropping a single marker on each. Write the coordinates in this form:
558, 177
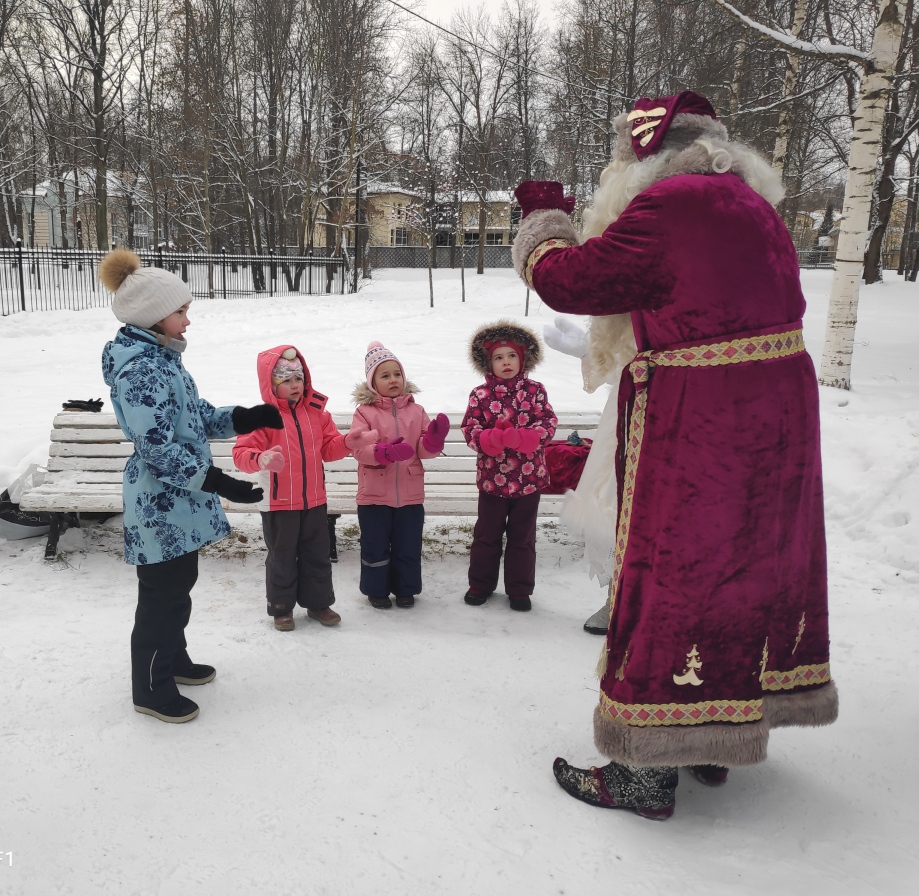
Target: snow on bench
88, 453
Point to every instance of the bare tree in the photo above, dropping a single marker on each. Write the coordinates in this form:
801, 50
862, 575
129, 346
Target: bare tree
878, 68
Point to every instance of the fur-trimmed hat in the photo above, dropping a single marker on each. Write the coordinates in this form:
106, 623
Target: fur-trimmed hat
504, 332
143, 296
668, 122
377, 353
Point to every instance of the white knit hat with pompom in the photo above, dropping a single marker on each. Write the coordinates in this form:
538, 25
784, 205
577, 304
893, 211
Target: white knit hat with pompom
143, 296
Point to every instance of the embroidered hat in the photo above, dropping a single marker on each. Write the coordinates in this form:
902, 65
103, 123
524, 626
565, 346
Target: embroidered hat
287, 367
143, 296
650, 120
377, 353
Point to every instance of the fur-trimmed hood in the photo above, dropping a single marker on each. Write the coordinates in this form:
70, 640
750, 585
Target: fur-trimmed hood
504, 329
363, 394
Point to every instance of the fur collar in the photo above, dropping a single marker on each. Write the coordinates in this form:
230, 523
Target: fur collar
363, 394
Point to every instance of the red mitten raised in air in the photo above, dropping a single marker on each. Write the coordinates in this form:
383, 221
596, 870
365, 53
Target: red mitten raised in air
537, 195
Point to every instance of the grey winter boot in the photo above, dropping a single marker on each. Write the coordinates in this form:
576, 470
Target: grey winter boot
599, 622
651, 792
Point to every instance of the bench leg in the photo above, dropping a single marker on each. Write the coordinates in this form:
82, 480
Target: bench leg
54, 533
333, 541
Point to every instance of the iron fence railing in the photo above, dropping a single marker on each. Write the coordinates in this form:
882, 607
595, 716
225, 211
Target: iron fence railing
447, 256
48, 279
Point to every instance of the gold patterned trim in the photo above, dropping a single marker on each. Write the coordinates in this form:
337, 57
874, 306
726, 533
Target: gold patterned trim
802, 676
733, 351
648, 715
539, 251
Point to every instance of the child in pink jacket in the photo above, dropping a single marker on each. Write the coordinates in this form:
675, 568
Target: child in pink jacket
289, 463
390, 478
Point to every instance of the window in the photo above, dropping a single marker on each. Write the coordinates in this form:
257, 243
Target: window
515, 215
398, 237
494, 239
443, 237
471, 238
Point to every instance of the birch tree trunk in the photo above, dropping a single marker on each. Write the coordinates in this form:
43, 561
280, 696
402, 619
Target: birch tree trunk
789, 86
836, 365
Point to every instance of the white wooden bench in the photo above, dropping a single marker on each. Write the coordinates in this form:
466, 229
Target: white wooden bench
88, 453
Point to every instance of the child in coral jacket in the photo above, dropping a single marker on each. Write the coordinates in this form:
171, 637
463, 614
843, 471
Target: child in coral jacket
294, 519
390, 478
508, 421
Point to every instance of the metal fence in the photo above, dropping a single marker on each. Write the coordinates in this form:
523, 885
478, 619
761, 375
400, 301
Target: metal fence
447, 256
47, 279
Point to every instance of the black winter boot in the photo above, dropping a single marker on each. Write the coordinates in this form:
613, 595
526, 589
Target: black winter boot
710, 775
179, 709
476, 598
651, 792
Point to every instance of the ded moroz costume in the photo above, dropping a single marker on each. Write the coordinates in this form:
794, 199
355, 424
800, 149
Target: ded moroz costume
719, 628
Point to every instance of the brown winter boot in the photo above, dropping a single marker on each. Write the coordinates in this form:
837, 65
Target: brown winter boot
326, 616
284, 623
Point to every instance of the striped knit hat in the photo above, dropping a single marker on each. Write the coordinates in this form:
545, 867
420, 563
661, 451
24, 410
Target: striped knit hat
377, 353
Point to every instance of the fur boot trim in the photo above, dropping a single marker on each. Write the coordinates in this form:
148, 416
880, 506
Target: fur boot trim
536, 228
504, 329
715, 743
363, 394
806, 707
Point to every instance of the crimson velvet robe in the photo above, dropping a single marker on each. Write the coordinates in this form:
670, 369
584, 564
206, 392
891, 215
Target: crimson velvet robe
719, 628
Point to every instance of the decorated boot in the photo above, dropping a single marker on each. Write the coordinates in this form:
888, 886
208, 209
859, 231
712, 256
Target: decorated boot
710, 775
650, 792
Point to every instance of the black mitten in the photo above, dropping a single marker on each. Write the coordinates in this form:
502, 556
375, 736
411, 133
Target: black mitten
236, 490
257, 417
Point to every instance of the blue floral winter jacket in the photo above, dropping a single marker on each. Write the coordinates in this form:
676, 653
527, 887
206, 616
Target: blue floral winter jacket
156, 402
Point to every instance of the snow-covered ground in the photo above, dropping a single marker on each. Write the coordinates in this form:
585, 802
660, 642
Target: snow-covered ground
410, 751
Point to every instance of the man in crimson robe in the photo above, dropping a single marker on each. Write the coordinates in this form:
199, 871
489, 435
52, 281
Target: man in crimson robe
718, 628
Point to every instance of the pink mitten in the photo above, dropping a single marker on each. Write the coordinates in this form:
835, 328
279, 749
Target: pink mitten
529, 441
271, 460
490, 442
354, 441
436, 434
393, 452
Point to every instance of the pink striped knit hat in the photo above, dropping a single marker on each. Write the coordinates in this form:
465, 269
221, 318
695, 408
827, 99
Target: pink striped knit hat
377, 353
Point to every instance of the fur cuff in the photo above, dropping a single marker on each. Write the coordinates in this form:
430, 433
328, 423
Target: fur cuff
714, 743
805, 707
536, 228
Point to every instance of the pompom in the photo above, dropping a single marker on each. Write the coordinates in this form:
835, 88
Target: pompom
116, 267
374, 345
289, 354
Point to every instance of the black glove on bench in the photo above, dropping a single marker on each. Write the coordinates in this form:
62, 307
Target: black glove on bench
236, 490
258, 417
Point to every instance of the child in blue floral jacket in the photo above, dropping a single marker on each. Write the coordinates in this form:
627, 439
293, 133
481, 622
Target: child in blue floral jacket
171, 485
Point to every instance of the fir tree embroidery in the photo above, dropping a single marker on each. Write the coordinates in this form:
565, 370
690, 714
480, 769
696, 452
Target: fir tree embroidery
693, 664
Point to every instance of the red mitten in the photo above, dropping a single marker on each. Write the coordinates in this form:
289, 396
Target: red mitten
535, 195
436, 434
490, 442
530, 440
393, 452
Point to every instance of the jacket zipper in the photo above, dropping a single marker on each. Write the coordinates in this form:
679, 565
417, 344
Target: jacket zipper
396, 421
274, 489
293, 412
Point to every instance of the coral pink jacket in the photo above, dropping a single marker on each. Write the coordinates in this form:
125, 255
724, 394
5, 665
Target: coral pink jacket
309, 437
394, 485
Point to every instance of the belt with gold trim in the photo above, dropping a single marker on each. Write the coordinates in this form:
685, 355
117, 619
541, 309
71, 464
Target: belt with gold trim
731, 351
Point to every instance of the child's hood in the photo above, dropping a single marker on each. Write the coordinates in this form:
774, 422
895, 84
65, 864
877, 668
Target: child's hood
265, 365
130, 343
